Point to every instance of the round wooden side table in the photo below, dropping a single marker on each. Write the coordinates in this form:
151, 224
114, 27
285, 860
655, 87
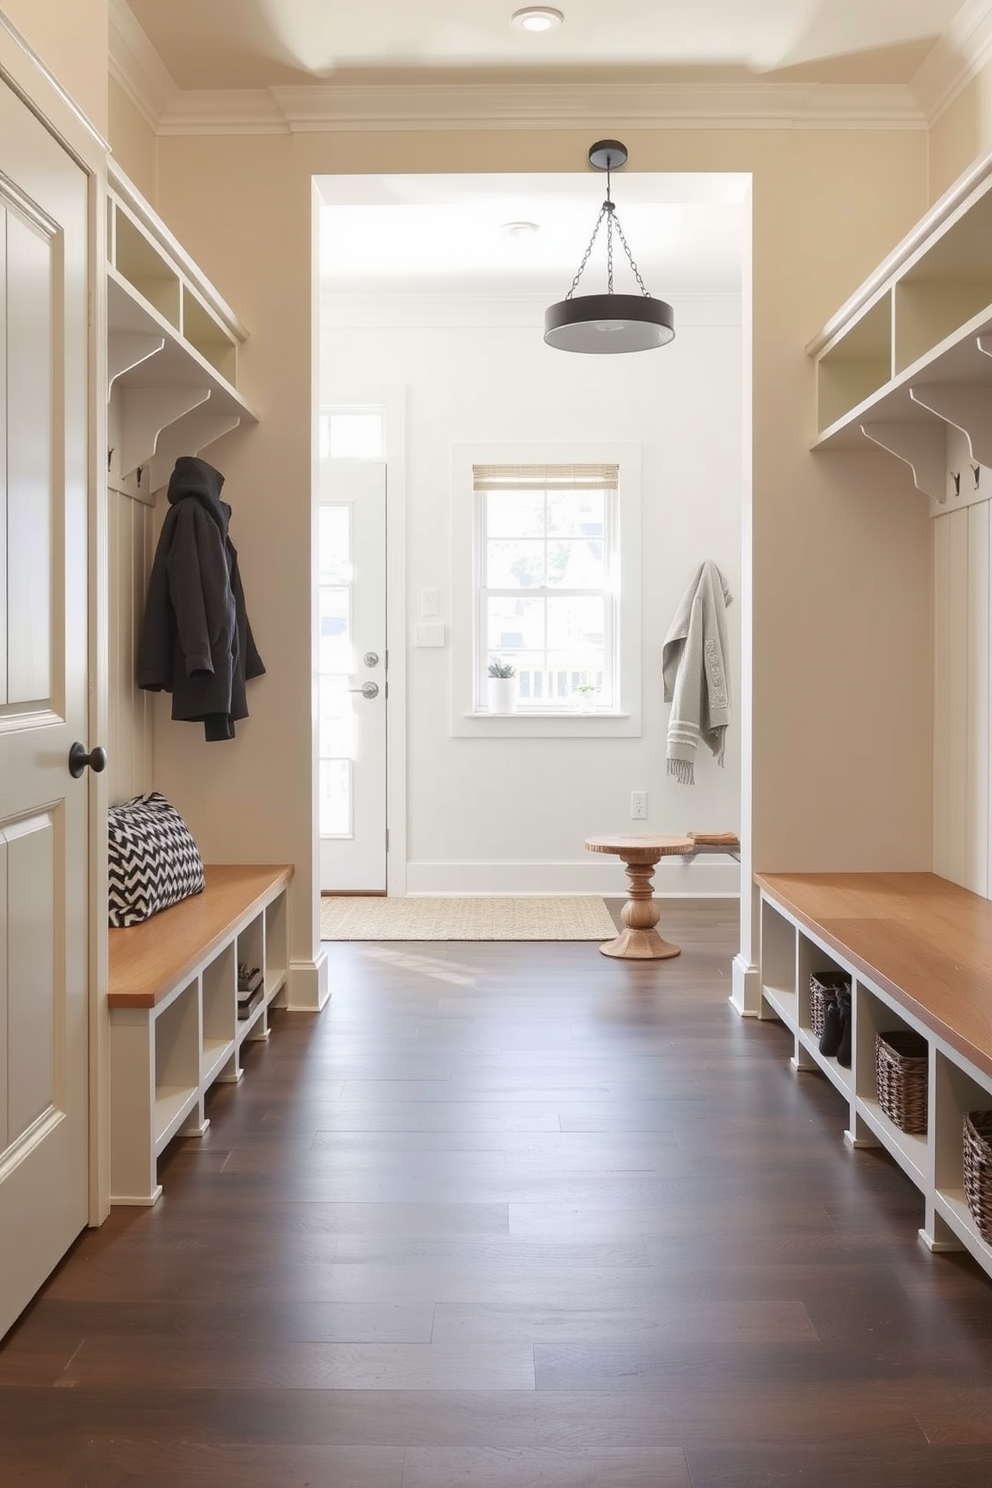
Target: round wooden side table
640, 852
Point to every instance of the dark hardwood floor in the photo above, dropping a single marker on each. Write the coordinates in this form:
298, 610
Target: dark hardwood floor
512, 1216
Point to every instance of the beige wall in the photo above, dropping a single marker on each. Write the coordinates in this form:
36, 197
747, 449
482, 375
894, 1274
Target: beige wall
133, 142
962, 133
841, 751
71, 40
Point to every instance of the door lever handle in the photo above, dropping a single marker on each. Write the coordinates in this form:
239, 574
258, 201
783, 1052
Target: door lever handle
367, 689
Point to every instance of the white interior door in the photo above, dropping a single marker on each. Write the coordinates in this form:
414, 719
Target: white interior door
43, 704
352, 667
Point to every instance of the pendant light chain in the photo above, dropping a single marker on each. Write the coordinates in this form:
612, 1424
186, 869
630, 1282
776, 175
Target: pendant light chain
608, 210
630, 259
585, 257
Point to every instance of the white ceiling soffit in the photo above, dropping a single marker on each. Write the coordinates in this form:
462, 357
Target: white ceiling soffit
522, 235
257, 43
825, 49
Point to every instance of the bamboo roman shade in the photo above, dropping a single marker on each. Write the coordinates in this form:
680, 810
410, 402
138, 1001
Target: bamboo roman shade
545, 477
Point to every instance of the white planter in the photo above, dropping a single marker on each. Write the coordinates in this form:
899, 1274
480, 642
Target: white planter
501, 694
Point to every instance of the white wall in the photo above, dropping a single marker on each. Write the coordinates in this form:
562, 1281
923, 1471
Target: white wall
491, 815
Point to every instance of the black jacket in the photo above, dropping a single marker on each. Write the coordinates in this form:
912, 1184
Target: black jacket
196, 641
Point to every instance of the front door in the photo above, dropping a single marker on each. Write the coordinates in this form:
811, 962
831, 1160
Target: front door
44, 1052
352, 666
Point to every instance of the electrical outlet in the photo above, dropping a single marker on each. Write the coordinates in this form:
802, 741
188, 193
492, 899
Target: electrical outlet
638, 805
429, 602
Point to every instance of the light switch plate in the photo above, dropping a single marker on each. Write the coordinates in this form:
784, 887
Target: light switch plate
428, 635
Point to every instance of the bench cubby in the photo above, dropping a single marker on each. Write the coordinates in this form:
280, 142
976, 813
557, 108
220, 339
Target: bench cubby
918, 950
174, 1026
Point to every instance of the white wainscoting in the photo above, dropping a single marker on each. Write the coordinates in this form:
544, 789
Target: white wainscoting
962, 837
129, 746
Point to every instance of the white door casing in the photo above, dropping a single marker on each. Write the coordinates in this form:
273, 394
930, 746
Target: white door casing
44, 454
353, 859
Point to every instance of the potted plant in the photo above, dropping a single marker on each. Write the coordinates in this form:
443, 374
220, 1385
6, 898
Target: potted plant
584, 697
501, 686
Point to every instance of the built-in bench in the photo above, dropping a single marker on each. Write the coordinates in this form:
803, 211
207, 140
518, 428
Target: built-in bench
174, 1025
918, 950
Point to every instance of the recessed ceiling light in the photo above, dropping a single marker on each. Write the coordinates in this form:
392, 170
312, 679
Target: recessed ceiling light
520, 229
536, 18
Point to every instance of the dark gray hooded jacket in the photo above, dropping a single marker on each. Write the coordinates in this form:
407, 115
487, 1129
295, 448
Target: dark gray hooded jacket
196, 641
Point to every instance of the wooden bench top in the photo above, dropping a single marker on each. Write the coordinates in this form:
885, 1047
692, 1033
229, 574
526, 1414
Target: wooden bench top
149, 960
924, 940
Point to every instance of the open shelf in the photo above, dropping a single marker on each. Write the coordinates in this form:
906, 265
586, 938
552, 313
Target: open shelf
856, 365
174, 1028
838, 1074
173, 1106
910, 354
778, 965
908, 1148
173, 348
916, 949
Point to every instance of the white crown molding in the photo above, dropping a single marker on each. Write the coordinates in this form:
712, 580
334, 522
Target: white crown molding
227, 111
955, 60
347, 107
137, 68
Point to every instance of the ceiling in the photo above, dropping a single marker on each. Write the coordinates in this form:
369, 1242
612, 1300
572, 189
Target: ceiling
250, 44
449, 234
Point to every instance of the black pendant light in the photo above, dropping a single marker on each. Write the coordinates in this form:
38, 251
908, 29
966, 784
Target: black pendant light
608, 322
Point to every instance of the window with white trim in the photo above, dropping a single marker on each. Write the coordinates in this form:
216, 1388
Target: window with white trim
546, 575
547, 583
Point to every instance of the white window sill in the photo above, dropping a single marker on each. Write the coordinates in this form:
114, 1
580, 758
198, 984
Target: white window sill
552, 725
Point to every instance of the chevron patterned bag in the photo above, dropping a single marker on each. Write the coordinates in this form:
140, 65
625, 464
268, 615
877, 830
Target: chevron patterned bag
153, 859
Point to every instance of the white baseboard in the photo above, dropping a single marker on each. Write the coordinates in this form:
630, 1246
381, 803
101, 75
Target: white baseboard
745, 993
308, 985
600, 874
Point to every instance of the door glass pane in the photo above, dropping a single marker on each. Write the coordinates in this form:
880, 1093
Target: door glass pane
337, 719
335, 798
335, 630
334, 543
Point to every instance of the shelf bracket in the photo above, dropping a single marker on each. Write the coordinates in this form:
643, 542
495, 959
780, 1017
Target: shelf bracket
966, 408
920, 446
126, 350
188, 436
145, 412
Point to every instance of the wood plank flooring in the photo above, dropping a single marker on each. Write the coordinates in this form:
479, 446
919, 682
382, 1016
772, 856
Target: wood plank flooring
512, 1216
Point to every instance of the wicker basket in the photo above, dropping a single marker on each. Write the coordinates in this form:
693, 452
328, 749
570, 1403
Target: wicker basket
978, 1170
901, 1078
823, 988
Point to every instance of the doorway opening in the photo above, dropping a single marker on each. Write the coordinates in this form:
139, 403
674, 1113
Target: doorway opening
431, 292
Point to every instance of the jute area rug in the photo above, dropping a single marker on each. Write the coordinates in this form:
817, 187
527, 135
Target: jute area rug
583, 917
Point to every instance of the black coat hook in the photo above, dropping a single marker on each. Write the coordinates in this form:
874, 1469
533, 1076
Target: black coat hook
977, 470
956, 478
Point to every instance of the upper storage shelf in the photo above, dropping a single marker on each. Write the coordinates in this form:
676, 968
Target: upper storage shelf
910, 354
173, 346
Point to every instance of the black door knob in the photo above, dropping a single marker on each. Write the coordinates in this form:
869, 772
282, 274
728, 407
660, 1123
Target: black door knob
79, 759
